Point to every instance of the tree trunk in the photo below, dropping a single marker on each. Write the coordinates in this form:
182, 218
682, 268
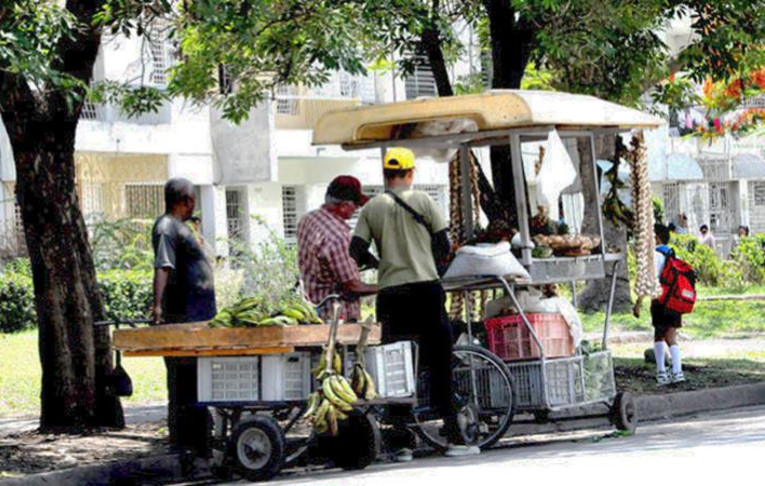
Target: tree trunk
75, 357
511, 46
595, 296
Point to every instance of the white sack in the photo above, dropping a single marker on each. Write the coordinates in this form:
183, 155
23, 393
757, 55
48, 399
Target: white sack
557, 173
494, 259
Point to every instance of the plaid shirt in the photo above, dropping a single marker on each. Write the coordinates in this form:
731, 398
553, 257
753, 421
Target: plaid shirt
323, 240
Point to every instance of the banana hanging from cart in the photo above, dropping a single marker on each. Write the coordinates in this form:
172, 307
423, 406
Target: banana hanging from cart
336, 396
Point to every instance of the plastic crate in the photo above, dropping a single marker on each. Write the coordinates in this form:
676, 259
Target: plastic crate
279, 377
391, 366
511, 340
286, 377
228, 379
550, 383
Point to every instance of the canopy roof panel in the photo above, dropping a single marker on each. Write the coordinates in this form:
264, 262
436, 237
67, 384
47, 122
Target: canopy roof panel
490, 111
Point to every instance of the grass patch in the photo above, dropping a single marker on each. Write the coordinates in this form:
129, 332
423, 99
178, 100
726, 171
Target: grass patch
709, 319
20, 376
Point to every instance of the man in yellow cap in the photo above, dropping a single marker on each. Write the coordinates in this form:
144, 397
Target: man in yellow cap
410, 234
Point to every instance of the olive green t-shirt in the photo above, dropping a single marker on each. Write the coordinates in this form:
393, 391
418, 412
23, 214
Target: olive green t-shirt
402, 243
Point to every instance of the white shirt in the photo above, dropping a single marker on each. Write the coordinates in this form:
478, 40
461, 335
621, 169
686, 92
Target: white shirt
658, 262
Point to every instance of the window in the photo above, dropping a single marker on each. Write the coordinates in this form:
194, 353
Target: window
421, 83
89, 111
144, 201
157, 40
290, 215
92, 202
758, 189
236, 216
286, 102
671, 196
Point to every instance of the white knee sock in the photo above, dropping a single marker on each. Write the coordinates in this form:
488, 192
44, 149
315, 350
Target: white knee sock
677, 365
658, 350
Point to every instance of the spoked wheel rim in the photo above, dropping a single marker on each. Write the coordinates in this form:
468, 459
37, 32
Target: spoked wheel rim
254, 449
484, 391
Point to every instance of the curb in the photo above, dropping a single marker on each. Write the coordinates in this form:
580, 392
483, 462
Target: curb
176, 467
148, 470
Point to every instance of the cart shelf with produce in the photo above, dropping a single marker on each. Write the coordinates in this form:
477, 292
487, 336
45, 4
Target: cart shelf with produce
453, 129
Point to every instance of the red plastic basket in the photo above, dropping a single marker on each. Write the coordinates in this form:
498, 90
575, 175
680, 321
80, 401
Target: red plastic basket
510, 339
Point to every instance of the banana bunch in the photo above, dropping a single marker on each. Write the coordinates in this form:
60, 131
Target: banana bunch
330, 403
248, 313
362, 382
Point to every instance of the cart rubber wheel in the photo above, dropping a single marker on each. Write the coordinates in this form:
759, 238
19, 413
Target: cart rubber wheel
357, 443
624, 412
257, 448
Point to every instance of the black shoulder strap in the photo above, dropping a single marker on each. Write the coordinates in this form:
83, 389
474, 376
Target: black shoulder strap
409, 209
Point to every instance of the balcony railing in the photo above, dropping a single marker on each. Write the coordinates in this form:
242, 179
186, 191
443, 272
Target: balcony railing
111, 114
299, 107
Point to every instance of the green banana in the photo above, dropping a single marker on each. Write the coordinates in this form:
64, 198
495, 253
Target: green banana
321, 413
357, 379
314, 400
343, 390
295, 314
330, 394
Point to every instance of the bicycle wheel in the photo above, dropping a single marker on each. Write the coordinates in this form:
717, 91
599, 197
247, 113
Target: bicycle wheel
484, 393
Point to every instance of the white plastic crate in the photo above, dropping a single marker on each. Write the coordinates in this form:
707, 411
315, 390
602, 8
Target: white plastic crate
392, 367
275, 377
228, 379
286, 376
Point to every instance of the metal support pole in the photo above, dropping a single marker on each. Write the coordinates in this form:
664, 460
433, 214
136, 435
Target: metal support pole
610, 306
521, 203
466, 192
573, 294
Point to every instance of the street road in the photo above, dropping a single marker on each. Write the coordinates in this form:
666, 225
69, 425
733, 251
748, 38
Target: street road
718, 448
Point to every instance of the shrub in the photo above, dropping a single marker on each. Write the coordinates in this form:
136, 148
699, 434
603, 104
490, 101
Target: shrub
127, 294
17, 302
122, 244
709, 270
749, 257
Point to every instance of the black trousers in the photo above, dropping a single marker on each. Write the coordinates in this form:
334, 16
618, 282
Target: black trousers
189, 425
417, 312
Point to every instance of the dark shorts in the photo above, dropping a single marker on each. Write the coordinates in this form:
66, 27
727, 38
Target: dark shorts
662, 319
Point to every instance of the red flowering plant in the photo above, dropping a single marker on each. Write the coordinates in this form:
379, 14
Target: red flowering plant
723, 102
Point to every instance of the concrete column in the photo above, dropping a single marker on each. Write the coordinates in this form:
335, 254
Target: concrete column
743, 203
213, 206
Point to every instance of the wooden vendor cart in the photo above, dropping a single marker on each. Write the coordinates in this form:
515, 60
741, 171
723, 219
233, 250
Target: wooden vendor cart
256, 381
460, 127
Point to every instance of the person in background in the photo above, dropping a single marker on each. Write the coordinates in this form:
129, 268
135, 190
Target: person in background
681, 228
324, 238
665, 323
410, 234
707, 238
743, 232
184, 292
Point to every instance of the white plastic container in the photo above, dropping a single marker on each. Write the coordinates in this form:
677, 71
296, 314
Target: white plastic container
277, 377
227, 379
286, 376
392, 367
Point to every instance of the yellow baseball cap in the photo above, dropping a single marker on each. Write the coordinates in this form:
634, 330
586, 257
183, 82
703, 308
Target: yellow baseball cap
399, 158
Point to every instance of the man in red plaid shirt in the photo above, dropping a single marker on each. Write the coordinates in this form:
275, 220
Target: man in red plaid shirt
323, 237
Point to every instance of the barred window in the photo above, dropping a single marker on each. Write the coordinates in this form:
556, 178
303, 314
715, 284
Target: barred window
144, 201
758, 189
421, 83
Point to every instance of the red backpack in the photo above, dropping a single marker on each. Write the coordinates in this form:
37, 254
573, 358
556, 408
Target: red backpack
678, 284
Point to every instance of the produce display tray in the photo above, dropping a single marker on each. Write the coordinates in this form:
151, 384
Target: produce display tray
198, 339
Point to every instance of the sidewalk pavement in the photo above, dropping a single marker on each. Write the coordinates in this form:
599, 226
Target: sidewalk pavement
170, 468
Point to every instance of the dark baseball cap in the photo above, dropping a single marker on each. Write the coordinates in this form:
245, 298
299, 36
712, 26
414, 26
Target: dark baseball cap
347, 188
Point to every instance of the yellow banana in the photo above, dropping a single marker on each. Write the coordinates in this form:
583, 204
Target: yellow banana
342, 389
330, 394
332, 421
338, 364
321, 366
370, 392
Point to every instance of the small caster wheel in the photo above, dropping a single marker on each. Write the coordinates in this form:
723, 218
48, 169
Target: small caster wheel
624, 412
257, 448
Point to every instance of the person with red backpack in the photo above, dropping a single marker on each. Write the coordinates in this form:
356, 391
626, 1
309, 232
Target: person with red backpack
678, 296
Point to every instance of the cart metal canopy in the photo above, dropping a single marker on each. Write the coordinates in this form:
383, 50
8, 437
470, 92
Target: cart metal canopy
491, 111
